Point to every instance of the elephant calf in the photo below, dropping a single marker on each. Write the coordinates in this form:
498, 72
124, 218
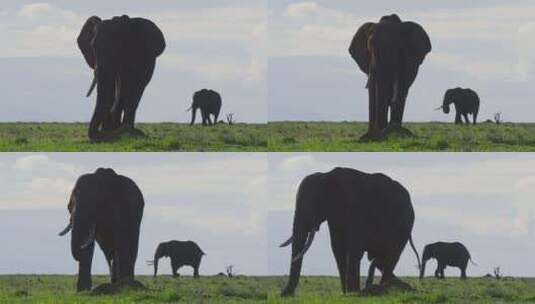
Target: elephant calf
466, 102
186, 253
447, 254
209, 101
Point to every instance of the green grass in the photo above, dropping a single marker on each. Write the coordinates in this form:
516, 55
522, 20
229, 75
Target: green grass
72, 137
165, 289
276, 136
433, 136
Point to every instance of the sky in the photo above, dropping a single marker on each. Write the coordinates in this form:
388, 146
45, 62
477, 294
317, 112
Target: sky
271, 60
210, 44
484, 45
188, 196
483, 200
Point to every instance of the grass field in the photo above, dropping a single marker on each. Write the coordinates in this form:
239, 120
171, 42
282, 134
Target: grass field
344, 136
60, 289
276, 137
72, 137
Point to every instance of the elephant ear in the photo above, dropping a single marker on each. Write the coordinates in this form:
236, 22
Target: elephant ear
150, 37
418, 42
85, 39
359, 46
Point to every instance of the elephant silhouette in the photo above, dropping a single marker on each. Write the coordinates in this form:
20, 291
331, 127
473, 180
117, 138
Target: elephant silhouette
107, 208
209, 102
447, 254
466, 102
122, 51
365, 213
181, 253
390, 52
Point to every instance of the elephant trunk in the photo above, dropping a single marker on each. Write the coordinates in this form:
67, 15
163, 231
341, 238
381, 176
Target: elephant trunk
156, 258
425, 257
422, 269
106, 87
301, 242
193, 113
82, 248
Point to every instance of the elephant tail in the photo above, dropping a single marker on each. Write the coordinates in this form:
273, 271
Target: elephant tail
416, 253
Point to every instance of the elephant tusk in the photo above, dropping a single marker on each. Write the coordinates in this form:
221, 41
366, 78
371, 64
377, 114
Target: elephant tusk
90, 239
439, 108
150, 262
93, 84
288, 242
66, 230
117, 93
308, 243
188, 109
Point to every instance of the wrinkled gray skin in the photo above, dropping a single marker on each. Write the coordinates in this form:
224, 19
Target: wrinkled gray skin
447, 254
107, 208
365, 213
466, 102
209, 102
186, 253
122, 51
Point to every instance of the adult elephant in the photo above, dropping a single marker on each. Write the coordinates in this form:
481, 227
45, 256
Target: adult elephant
466, 102
447, 254
122, 51
106, 207
209, 101
186, 253
365, 213
390, 53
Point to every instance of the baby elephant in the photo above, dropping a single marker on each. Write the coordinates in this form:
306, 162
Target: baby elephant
446, 254
181, 253
466, 102
209, 102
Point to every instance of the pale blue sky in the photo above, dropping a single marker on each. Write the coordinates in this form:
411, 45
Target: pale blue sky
485, 45
210, 44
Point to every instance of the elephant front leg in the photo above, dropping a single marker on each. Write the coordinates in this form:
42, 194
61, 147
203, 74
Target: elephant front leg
353, 272
458, 119
196, 272
371, 274
372, 132
339, 251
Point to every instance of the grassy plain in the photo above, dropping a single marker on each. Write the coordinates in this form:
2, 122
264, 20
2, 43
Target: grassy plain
215, 289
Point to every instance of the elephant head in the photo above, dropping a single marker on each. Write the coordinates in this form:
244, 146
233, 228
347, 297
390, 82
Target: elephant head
449, 98
429, 253
84, 205
310, 213
162, 250
106, 45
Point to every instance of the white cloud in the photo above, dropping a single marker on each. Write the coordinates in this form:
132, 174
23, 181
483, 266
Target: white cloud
301, 9
35, 9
